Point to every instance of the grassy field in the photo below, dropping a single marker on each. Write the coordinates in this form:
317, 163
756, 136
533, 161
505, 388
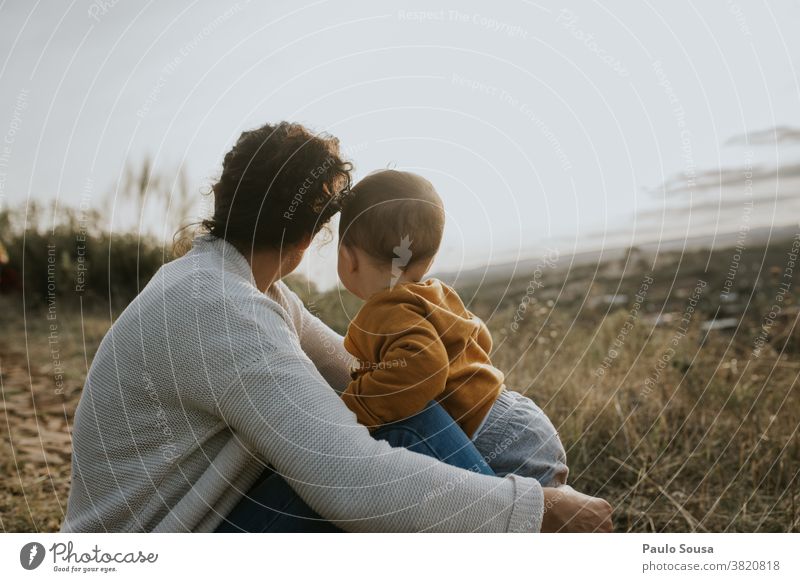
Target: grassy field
681, 427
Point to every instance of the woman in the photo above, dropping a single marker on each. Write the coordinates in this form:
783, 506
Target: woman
211, 404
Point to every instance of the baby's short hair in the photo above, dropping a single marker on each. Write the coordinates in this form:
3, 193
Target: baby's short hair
389, 209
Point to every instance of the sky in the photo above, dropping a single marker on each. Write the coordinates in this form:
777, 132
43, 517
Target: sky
572, 125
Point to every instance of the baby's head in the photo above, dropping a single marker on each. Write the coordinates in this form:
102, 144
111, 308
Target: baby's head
389, 231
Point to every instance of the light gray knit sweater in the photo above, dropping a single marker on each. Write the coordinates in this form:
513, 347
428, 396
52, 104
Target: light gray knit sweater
203, 379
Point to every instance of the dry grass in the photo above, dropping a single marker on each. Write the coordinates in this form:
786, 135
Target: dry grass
713, 446
36, 419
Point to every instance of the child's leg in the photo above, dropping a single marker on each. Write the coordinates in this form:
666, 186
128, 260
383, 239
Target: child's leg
517, 437
434, 433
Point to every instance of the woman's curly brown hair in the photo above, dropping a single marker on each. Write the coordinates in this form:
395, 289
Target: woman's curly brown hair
279, 185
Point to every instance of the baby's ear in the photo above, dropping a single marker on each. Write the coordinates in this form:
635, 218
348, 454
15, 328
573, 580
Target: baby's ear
350, 258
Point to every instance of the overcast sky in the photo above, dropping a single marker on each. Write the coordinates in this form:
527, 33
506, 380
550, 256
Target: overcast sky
577, 125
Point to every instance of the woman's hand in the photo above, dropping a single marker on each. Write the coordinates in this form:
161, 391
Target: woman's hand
566, 510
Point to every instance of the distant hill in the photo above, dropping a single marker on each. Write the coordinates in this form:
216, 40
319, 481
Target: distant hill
756, 237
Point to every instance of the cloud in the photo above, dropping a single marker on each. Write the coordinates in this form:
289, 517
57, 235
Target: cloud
735, 177
727, 177
717, 196
781, 134
719, 204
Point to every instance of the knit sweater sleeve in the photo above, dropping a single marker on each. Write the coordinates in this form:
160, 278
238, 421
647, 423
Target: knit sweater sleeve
325, 348
282, 407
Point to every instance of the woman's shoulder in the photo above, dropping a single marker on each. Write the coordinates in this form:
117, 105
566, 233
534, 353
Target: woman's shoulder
283, 295
210, 289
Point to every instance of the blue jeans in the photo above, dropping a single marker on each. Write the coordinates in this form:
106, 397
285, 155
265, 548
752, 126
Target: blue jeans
517, 437
271, 505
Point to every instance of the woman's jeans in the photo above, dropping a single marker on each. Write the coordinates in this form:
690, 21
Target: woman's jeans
271, 505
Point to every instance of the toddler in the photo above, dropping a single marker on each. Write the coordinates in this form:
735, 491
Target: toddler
414, 340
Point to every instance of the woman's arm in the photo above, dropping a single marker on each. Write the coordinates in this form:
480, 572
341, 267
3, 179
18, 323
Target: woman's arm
324, 347
285, 410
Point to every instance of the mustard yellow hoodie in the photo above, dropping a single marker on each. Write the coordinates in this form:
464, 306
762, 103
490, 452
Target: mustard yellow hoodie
415, 343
